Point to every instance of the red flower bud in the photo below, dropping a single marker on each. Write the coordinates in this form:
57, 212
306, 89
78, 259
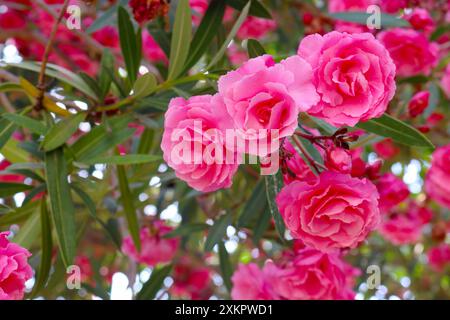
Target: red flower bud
338, 159
418, 103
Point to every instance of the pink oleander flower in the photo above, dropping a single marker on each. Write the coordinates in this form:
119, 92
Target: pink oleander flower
437, 179
252, 283
12, 19
410, 50
152, 50
256, 28
420, 19
392, 191
147, 10
349, 6
198, 8
401, 228
338, 159
262, 96
418, 103
332, 212
445, 81
4, 164
107, 36
193, 142
14, 269
154, 248
386, 149
393, 6
439, 257
191, 281
314, 275
354, 76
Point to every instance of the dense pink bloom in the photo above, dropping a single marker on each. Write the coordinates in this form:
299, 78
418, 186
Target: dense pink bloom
420, 19
262, 96
338, 159
410, 50
191, 281
418, 103
256, 28
252, 283
4, 164
107, 36
401, 228
154, 248
392, 191
152, 50
333, 211
437, 180
354, 76
193, 142
386, 149
445, 81
14, 269
393, 6
349, 6
314, 275
12, 19
439, 256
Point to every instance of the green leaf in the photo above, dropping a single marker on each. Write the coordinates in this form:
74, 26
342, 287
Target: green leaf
240, 20
128, 206
257, 9
217, 231
146, 141
46, 250
29, 231
18, 215
125, 159
254, 206
181, 39
9, 189
102, 138
326, 127
254, 48
13, 152
106, 73
61, 206
397, 130
128, 44
387, 20
274, 183
186, 229
225, 266
26, 122
152, 286
10, 86
62, 131
206, 31
144, 85
440, 30
261, 226
7, 128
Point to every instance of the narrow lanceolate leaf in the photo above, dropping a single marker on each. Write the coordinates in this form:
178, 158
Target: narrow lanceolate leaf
62, 131
128, 206
13, 152
186, 229
26, 122
6, 130
18, 215
217, 231
387, 20
274, 183
397, 130
125, 159
254, 206
146, 141
29, 231
225, 265
154, 284
9, 188
240, 20
144, 85
181, 39
128, 44
257, 9
61, 206
106, 73
261, 225
254, 48
206, 31
10, 86
46, 249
